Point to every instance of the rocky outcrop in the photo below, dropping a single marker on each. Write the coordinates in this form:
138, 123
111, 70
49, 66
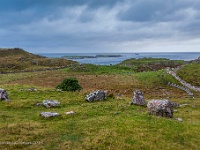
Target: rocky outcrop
3, 95
162, 108
96, 96
138, 98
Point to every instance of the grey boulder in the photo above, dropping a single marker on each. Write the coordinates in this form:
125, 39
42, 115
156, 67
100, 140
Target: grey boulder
138, 98
96, 96
162, 108
50, 103
3, 95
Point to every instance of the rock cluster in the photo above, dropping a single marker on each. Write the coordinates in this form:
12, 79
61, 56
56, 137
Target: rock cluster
3, 95
138, 98
162, 108
96, 95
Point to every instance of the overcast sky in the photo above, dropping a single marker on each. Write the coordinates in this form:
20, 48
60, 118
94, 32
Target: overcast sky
100, 25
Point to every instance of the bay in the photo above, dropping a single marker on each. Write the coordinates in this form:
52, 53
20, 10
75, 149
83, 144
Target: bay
187, 56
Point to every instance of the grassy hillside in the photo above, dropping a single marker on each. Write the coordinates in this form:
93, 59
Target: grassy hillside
190, 73
10, 52
111, 124
16, 60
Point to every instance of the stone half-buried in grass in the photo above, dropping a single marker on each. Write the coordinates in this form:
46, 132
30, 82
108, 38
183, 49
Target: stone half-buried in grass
51, 103
96, 96
138, 98
3, 95
49, 114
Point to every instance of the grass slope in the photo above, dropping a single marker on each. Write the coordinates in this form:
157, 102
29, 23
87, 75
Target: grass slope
16, 60
190, 73
111, 124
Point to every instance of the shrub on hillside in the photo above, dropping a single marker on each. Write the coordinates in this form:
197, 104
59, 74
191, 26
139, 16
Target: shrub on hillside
69, 84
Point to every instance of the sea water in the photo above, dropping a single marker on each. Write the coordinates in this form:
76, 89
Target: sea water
187, 56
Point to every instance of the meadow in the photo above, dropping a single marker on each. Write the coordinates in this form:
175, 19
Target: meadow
110, 124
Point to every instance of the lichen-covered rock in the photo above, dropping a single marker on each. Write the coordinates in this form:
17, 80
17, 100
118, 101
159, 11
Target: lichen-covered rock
50, 103
3, 95
162, 108
96, 95
138, 98
49, 114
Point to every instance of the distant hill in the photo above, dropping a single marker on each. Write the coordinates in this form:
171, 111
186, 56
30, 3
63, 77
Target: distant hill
8, 52
17, 60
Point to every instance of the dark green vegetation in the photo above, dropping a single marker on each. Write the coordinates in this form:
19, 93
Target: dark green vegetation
17, 60
112, 124
69, 84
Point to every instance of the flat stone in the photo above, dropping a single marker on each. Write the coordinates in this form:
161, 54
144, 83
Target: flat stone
49, 114
179, 119
70, 112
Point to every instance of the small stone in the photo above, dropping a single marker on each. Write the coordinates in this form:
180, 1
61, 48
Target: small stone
32, 89
70, 112
49, 114
115, 113
175, 110
3, 95
179, 119
183, 105
38, 104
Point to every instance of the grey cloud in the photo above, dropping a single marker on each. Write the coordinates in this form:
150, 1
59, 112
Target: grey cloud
156, 10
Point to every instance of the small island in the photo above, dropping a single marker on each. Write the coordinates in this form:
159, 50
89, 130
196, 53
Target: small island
95, 56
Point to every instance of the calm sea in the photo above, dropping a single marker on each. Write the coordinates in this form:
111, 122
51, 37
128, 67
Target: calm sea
115, 60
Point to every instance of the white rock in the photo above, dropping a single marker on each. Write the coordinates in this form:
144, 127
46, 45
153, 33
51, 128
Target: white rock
70, 112
49, 114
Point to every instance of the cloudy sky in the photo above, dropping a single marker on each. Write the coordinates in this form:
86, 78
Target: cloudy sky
100, 25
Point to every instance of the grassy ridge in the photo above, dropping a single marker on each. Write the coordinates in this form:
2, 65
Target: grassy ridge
15, 60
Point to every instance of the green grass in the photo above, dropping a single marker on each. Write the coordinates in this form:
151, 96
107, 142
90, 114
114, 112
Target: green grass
190, 73
95, 125
110, 124
101, 69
